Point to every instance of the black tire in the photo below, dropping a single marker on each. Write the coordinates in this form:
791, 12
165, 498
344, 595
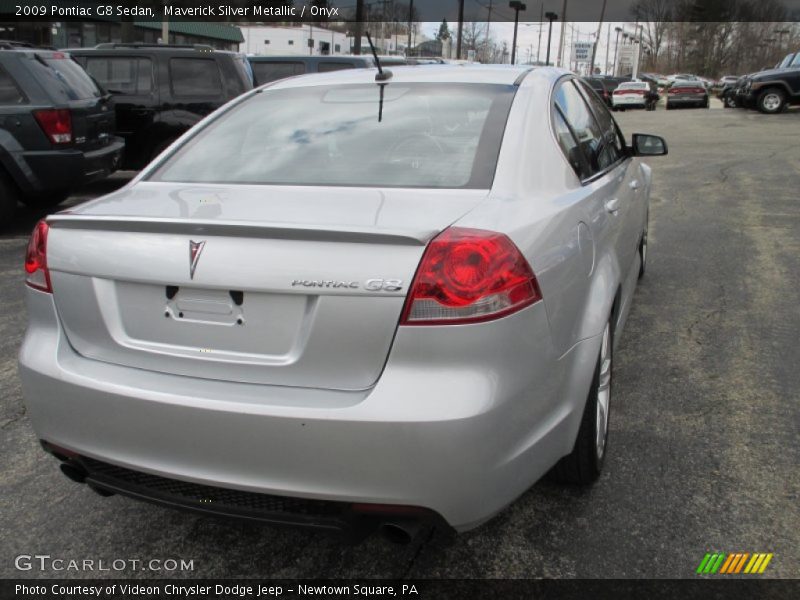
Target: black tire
583, 465
46, 200
9, 196
707, 103
730, 102
771, 101
668, 106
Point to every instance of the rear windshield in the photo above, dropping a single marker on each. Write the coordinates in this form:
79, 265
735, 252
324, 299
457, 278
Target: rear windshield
421, 135
62, 75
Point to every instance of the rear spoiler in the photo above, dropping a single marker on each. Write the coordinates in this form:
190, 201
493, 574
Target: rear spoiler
242, 229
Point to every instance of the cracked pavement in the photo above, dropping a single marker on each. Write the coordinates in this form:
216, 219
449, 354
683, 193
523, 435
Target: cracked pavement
705, 422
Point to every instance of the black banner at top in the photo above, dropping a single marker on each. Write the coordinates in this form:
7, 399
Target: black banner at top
343, 11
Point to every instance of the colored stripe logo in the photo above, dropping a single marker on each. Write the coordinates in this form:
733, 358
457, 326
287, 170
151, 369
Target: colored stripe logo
734, 564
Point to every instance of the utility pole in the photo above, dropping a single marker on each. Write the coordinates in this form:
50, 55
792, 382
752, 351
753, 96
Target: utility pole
541, 22
517, 6
488, 26
410, 21
550, 16
460, 28
608, 47
563, 34
597, 37
359, 27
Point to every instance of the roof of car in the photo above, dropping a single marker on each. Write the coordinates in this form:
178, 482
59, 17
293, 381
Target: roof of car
491, 74
139, 47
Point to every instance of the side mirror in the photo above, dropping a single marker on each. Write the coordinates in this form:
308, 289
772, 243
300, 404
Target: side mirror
648, 145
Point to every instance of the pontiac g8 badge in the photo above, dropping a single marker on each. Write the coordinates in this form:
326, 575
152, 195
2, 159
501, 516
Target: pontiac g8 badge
195, 249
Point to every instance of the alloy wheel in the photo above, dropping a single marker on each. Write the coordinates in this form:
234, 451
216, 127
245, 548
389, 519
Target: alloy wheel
603, 391
772, 102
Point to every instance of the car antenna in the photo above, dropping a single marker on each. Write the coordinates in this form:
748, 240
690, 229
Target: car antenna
382, 77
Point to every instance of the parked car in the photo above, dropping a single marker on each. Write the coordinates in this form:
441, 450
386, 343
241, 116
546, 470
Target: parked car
160, 91
56, 128
634, 94
773, 90
271, 68
600, 86
687, 93
319, 311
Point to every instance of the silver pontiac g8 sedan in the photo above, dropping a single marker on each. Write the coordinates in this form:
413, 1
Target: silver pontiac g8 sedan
347, 299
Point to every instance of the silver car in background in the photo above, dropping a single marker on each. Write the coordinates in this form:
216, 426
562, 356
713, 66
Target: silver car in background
342, 300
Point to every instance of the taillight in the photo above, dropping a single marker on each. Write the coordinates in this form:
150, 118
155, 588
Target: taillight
36, 259
56, 123
469, 276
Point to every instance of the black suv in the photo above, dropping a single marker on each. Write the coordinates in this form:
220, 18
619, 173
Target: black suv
272, 68
160, 91
773, 90
56, 128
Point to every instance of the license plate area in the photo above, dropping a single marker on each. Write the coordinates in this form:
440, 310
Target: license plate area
193, 305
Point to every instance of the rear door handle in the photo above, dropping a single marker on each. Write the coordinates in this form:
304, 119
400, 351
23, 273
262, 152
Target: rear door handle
612, 206
634, 185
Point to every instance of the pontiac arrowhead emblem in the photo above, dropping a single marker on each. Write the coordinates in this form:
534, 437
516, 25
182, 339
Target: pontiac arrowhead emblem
195, 249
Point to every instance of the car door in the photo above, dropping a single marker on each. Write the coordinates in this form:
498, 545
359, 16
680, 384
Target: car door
632, 211
599, 161
129, 79
195, 90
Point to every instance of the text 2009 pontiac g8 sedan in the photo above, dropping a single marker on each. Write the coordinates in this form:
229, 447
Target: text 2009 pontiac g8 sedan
344, 299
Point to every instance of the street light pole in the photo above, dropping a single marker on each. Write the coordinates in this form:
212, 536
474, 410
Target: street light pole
517, 6
616, 48
550, 16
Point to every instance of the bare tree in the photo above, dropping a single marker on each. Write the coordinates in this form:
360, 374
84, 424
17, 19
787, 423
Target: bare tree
655, 15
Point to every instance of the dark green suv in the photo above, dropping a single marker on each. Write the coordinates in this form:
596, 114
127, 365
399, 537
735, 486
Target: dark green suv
773, 90
56, 128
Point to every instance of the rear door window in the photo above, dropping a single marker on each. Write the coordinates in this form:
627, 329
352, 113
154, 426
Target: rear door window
64, 77
9, 92
583, 124
195, 77
129, 76
266, 71
611, 149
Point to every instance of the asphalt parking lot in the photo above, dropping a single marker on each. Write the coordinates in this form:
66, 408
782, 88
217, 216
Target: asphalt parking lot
705, 422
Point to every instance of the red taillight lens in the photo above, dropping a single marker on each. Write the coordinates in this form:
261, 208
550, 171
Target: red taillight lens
468, 276
36, 259
56, 123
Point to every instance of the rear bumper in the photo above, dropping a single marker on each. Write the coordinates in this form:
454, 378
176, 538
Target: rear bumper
688, 100
68, 169
457, 424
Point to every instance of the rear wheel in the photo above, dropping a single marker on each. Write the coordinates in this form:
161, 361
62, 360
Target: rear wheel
584, 463
771, 101
707, 103
9, 196
730, 101
668, 106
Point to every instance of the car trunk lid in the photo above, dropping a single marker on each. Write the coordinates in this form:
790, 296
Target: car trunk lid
293, 286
